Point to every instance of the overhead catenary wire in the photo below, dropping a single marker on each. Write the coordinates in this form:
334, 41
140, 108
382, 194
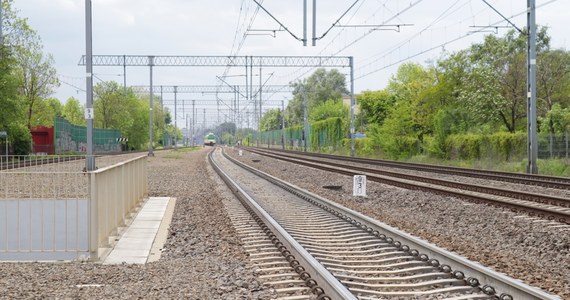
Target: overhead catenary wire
338, 20
394, 16
447, 42
275, 19
443, 15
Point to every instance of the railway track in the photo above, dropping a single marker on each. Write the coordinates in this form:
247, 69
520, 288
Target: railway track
529, 179
341, 254
546, 206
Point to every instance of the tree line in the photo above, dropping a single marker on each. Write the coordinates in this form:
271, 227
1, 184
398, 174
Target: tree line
28, 79
456, 101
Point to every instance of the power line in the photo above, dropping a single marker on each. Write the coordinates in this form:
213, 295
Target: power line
397, 46
447, 42
338, 20
275, 19
412, 4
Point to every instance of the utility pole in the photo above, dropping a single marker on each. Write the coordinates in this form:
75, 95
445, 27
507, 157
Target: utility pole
89, 112
314, 22
175, 119
304, 22
204, 122
260, 89
352, 104
150, 150
163, 118
283, 124
193, 120
1, 24
532, 146
124, 74
305, 120
186, 125
187, 131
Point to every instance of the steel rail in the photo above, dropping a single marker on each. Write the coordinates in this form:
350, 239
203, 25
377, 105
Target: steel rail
529, 179
330, 285
489, 281
541, 198
561, 214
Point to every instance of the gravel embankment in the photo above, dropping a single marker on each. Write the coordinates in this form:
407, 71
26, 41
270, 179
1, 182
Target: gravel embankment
202, 258
519, 247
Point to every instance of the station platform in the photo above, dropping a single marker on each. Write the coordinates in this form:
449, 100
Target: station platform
143, 239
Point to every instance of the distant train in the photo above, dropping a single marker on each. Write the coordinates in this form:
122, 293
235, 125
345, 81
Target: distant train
210, 139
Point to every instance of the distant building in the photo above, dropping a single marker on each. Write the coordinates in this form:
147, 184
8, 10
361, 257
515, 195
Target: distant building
346, 102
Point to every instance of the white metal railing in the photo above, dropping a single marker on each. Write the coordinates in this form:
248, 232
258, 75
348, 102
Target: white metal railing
114, 193
55, 211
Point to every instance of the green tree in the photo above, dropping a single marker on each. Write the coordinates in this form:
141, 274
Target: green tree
321, 86
553, 84
46, 111
497, 81
409, 86
377, 105
73, 112
329, 109
111, 106
35, 72
271, 120
557, 120
11, 106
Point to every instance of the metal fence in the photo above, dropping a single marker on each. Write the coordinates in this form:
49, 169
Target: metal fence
73, 138
553, 145
50, 209
115, 191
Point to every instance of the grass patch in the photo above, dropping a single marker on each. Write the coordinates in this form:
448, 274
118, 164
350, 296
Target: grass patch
186, 149
551, 167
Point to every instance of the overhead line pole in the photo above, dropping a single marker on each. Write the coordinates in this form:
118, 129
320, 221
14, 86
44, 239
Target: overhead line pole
193, 120
352, 104
260, 98
163, 117
314, 22
175, 119
283, 124
1, 24
304, 22
150, 150
305, 120
125, 74
90, 161
532, 168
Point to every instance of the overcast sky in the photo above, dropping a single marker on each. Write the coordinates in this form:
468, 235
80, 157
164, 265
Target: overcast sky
217, 27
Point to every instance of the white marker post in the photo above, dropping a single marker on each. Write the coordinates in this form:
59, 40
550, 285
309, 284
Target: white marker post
240, 152
359, 186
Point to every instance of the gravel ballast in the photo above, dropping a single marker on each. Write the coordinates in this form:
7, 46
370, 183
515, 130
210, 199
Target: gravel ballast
202, 258
511, 243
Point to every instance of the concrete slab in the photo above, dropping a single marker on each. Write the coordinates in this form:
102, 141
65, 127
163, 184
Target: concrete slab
145, 235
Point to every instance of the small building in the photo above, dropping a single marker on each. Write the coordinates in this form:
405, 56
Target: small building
42, 140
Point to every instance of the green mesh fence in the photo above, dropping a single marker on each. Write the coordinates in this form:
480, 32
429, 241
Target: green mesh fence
73, 138
323, 136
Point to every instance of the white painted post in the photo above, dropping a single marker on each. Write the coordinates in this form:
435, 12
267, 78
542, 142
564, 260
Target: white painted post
359, 186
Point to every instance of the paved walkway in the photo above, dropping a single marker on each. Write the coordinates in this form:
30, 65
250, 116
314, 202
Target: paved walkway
145, 236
